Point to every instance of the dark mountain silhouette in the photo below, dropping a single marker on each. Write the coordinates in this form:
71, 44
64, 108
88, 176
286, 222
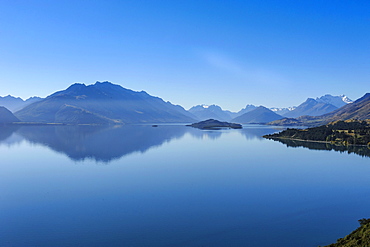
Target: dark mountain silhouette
203, 112
14, 104
311, 107
102, 102
7, 116
259, 115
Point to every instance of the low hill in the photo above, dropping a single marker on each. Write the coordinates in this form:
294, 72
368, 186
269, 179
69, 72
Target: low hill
102, 102
287, 122
7, 116
259, 115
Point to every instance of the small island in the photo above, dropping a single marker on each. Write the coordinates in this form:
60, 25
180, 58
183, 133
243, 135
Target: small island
348, 132
215, 124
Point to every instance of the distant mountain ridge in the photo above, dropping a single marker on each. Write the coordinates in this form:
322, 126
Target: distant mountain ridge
14, 104
359, 110
310, 107
319, 106
246, 109
259, 115
102, 102
107, 103
283, 110
204, 112
337, 101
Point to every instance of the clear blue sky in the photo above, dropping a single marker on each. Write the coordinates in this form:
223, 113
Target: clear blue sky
189, 52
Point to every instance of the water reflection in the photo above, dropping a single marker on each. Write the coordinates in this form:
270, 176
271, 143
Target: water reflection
106, 143
205, 134
6, 132
363, 151
101, 143
256, 131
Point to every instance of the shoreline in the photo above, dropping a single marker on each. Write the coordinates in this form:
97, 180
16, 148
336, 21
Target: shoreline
332, 143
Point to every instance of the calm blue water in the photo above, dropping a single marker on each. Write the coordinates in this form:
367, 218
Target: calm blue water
174, 186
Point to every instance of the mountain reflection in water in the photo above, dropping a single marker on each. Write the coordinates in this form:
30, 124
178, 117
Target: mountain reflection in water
101, 143
107, 143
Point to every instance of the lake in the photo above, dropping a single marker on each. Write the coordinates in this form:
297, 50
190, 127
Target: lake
174, 185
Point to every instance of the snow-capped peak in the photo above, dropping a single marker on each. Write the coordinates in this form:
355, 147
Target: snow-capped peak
346, 99
337, 101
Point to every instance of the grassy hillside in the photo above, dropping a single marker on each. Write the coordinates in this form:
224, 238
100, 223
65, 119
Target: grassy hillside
359, 237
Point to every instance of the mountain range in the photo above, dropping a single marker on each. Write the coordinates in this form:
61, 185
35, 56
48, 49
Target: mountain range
204, 112
107, 103
337, 101
318, 106
102, 103
14, 104
359, 109
311, 107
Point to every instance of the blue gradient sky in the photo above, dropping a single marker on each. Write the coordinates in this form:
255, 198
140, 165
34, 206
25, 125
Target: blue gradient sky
230, 53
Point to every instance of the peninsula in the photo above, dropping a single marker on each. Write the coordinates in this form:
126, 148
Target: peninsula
348, 132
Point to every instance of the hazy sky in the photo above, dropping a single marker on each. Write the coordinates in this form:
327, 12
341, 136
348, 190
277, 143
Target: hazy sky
189, 52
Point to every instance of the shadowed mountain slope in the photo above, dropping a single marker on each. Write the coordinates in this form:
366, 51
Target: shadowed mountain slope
7, 116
